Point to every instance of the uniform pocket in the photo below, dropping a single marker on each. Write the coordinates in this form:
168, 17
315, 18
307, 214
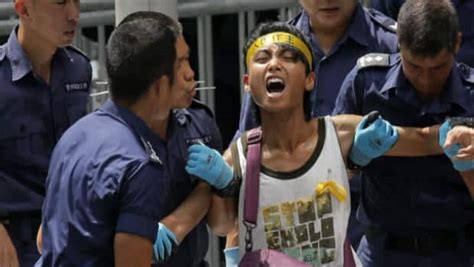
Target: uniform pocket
22, 137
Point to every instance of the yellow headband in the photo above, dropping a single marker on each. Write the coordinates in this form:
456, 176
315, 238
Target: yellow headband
280, 38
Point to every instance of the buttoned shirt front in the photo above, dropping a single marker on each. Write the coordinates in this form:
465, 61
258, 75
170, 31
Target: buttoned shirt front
33, 116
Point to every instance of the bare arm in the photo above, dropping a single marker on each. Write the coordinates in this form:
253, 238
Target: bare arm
185, 217
222, 212
232, 238
132, 250
8, 255
39, 239
411, 142
416, 142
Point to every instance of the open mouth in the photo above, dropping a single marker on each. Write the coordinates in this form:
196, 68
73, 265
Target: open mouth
275, 85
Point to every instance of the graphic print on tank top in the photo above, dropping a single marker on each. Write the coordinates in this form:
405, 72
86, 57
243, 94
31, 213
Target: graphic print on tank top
303, 229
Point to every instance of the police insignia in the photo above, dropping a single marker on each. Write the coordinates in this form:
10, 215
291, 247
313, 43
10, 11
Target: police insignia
197, 140
77, 86
372, 60
151, 152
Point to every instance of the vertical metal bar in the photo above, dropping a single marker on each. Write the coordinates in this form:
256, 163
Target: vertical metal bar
250, 21
282, 14
209, 62
201, 51
242, 36
102, 74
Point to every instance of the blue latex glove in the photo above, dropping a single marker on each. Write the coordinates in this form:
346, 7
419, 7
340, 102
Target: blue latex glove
207, 164
451, 151
231, 257
371, 141
165, 243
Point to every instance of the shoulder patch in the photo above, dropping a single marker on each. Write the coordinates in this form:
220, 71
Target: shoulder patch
467, 73
77, 51
373, 60
382, 20
196, 104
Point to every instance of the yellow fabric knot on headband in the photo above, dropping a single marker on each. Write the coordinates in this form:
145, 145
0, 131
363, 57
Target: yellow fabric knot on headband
337, 190
280, 38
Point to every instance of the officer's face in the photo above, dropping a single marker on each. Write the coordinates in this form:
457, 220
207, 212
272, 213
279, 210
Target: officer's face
183, 88
52, 21
277, 80
428, 75
329, 15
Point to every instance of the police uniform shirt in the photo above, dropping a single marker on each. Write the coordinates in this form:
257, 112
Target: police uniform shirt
189, 126
369, 31
402, 193
107, 175
33, 116
464, 8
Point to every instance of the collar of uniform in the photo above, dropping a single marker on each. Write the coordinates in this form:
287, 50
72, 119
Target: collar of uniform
18, 60
131, 119
396, 79
455, 90
182, 116
358, 29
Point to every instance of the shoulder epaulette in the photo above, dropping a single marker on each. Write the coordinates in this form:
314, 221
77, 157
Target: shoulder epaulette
373, 60
467, 73
78, 51
383, 20
196, 104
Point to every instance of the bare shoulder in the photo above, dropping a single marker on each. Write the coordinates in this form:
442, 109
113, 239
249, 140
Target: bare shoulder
345, 126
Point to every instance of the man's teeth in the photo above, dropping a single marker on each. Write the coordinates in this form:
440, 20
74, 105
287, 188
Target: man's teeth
274, 80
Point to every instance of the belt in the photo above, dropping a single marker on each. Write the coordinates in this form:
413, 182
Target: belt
426, 242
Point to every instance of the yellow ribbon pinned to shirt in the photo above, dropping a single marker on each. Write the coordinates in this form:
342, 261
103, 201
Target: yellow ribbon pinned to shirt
336, 189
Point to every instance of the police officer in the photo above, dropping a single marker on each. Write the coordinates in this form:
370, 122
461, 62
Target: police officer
119, 171
339, 32
464, 8
418, 210
44, 89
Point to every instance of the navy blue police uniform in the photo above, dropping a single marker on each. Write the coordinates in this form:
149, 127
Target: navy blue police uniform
464, 8
417, 211
33, 116
369, 31
190, 126
107, 175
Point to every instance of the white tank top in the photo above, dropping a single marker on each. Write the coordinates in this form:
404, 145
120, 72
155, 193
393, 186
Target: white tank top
291, 218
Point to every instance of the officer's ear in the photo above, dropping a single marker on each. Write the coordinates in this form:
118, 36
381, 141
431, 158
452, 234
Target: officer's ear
457, 43
20, 8
246, 83
163, 83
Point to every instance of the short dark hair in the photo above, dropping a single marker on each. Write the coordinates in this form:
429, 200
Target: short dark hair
269, 27
140, 51
426, 27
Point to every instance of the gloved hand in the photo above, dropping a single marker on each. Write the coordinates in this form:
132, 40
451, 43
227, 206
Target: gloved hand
373, 140
165, 243
231, 257
451, 151
207, 164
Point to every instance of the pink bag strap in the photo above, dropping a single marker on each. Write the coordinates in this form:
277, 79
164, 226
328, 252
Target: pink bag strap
252, 185
348, 256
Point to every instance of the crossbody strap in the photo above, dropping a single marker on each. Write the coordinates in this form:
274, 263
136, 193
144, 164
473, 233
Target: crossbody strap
252, 186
